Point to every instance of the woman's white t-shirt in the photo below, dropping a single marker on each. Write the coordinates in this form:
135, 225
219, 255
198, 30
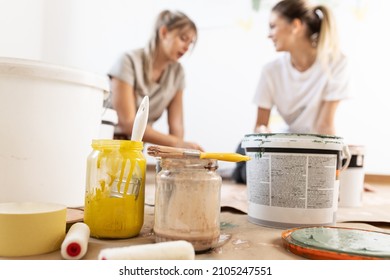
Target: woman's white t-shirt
296, 95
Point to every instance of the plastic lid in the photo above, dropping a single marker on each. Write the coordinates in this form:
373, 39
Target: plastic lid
356, 149
337, 243
293, 140
33, 68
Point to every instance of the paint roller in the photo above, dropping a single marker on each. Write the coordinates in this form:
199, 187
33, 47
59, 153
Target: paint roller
170, 250
75, 244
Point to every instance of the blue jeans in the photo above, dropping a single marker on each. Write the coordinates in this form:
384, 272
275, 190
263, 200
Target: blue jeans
239, 173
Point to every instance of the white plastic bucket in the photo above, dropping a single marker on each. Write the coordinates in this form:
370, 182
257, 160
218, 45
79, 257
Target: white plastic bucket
107, 126
352, 179
293, 179
48, 117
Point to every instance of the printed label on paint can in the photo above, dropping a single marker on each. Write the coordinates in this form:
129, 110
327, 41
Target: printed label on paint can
293, 180
303, 184
290, 185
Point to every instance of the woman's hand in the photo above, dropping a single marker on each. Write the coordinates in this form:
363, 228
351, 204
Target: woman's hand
262, 120
262, 129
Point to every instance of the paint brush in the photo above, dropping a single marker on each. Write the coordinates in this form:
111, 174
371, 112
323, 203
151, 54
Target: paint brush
141, 120
128, 167
171, 152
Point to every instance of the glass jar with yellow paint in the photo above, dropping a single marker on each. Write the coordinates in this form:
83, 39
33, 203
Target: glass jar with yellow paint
187, 202
115, 189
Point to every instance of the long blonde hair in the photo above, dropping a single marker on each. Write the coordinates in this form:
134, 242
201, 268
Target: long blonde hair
172, 20
321, 25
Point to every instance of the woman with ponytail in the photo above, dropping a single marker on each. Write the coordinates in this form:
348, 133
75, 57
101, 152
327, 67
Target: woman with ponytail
154, 71
306, 83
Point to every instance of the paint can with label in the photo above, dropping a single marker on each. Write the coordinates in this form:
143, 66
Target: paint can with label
293, 179
352, 179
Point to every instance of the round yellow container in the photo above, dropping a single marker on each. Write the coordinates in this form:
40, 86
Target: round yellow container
115, 190
31, 228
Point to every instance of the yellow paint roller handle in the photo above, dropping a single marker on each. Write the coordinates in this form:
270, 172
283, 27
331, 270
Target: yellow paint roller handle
234, 157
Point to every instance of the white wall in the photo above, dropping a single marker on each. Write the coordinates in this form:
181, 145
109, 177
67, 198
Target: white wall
21, 33
223, 69
364, 118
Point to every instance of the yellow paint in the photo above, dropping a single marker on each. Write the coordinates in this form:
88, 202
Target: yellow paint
112, 217
234, 157
112, 212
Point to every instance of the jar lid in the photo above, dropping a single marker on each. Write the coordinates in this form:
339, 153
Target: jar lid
116, 144
190, 163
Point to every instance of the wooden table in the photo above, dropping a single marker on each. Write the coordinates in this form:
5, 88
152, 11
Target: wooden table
241, 239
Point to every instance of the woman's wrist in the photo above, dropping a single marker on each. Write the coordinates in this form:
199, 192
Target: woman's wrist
176, 141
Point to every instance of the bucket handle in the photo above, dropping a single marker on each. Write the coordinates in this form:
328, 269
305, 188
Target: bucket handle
106, 100
346, 154
106, 95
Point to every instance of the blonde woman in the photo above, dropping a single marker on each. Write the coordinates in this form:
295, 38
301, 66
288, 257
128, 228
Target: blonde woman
154, 71
308, 80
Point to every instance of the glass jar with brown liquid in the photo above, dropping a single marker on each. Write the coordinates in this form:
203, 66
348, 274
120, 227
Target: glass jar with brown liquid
187, 202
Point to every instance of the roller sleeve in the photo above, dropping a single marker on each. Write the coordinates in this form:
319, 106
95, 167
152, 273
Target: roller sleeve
172, 250
75, 244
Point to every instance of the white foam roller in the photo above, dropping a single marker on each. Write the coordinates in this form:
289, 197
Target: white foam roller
75, 244
171, 250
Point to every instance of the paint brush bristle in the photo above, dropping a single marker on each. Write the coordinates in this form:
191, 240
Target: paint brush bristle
165, 151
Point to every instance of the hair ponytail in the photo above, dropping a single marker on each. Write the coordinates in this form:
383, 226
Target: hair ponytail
328, 42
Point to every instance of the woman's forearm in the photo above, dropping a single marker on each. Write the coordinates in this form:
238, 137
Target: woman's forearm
326, 118
153, 136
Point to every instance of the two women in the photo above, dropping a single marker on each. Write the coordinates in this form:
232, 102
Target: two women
305, 84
